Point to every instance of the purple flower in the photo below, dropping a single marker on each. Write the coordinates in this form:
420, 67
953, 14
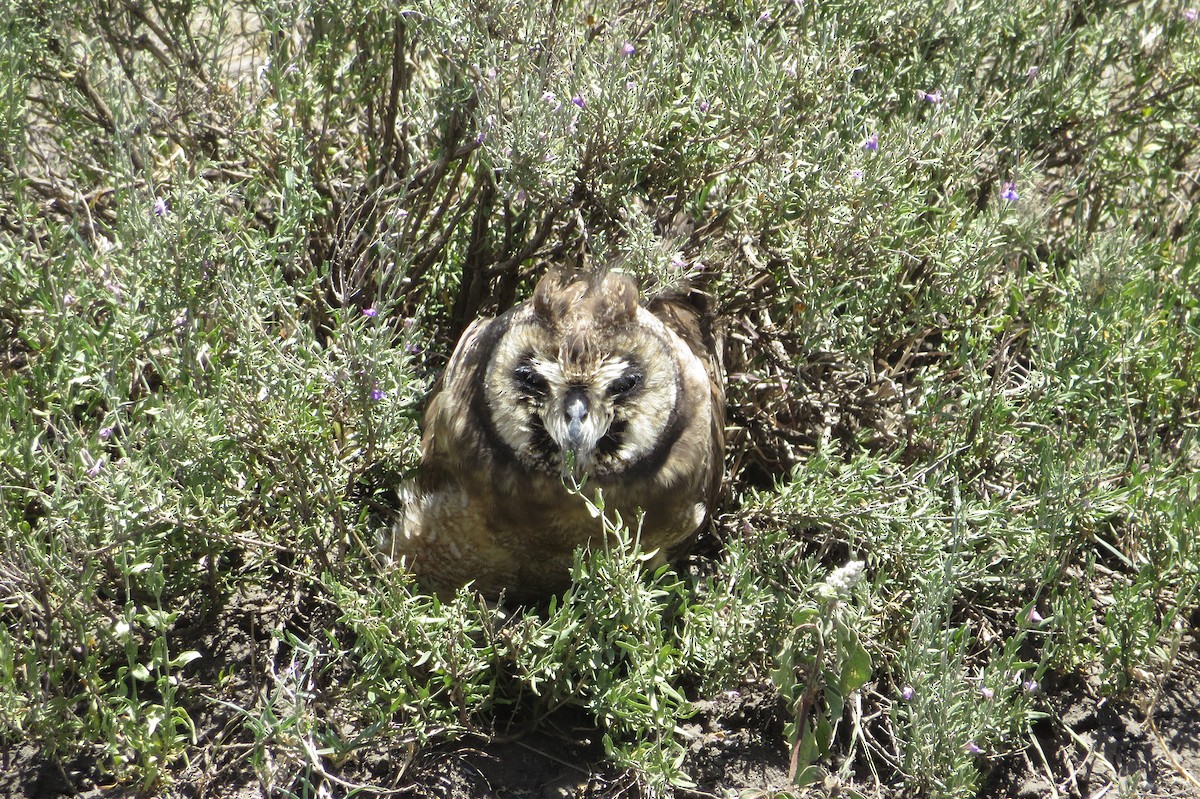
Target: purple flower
907, 693
704, 106
579, 101
934, 96
550, 99
627, 49
764, 17
1191, 15
371, 312
1030, 686
630, 85
871, 143
1009, 193
1034, 617
160, 207
986, 693
412, 349
857, 175
973, 748
377, 394
106, 432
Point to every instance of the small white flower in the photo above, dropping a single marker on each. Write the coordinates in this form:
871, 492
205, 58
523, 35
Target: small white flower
841, 580
121, 630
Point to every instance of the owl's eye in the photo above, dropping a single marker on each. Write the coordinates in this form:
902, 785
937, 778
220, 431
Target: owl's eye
625, 384
529, 380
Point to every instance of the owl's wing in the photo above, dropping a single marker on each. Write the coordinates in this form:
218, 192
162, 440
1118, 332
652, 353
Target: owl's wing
687, 314
448, 422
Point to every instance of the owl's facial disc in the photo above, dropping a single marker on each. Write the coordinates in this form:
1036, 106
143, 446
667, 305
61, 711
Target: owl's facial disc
577, 413
570, 402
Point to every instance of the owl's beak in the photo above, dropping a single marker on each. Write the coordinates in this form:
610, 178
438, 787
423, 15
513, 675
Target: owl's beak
576, 407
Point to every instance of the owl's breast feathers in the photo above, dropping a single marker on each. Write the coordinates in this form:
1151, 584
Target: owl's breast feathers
489, 505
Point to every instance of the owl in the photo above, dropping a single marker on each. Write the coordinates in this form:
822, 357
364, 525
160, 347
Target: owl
581, 390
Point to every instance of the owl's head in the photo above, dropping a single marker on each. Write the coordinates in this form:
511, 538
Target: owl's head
584, 380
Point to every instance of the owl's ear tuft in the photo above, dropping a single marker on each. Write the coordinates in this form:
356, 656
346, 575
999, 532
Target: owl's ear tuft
551, 299
610, 299
617, 300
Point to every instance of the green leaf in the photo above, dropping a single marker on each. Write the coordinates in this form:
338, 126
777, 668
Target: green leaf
856, 669
184, 658
809, 775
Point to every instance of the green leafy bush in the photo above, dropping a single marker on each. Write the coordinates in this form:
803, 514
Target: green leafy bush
955, 252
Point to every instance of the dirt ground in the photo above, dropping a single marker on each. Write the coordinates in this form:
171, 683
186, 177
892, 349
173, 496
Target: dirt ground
1147, 745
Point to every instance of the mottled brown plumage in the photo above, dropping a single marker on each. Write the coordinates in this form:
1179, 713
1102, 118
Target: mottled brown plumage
581, 382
